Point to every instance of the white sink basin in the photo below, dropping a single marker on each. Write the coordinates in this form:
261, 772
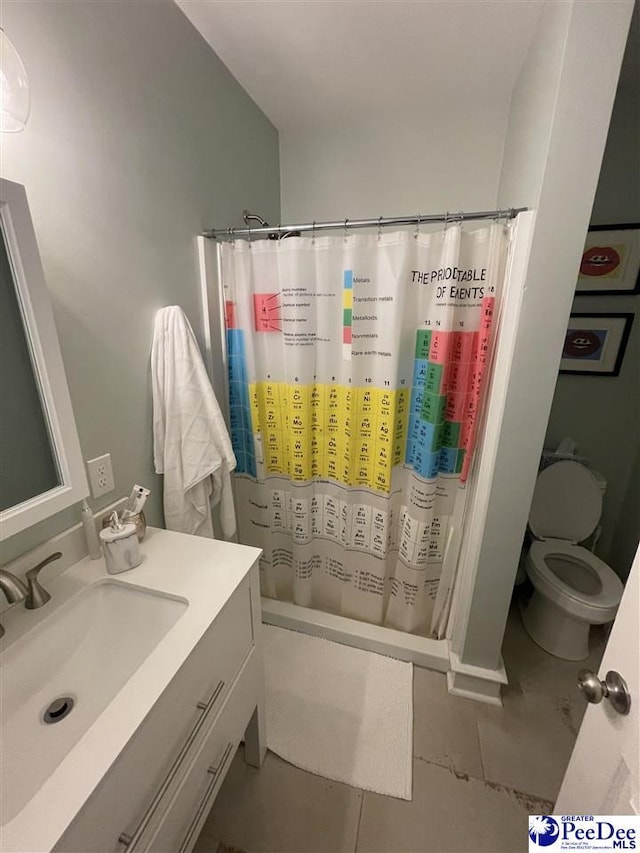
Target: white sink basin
86, 649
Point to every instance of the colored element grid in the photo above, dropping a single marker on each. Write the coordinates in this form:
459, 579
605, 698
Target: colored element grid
351, 435
356, 435
239, 408
449, 368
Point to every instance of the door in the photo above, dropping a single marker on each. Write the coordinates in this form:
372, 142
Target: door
603, 776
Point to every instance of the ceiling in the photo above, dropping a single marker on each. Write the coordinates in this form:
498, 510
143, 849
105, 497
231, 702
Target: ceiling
313, 63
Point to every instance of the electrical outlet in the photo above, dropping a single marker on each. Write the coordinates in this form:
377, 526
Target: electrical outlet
100, 475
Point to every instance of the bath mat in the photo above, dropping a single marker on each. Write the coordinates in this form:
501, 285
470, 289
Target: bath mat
342, 713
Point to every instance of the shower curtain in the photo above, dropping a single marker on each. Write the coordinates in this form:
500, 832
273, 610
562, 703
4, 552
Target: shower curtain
356, 372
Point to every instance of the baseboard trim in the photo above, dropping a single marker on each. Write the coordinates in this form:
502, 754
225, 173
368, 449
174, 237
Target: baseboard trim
476, 682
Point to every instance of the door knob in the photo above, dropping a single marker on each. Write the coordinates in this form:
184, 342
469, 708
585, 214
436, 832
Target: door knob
614, 688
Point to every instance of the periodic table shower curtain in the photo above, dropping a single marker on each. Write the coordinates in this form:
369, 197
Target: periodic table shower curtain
356, 372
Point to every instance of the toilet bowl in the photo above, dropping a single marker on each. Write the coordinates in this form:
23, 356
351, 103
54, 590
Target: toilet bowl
573, 589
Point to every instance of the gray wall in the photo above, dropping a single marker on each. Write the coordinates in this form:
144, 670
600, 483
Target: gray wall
603, 413
138, 139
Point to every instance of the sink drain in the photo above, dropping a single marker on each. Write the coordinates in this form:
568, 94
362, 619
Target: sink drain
58, 709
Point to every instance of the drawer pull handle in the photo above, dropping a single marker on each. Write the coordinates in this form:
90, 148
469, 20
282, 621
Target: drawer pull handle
130, 841
204, 803
205, 706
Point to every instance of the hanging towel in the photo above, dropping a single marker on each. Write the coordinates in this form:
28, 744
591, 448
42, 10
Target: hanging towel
190, 440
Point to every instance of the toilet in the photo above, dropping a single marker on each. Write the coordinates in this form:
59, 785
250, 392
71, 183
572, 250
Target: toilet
573, 589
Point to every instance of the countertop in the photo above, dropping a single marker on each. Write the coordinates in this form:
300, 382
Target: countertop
204, 572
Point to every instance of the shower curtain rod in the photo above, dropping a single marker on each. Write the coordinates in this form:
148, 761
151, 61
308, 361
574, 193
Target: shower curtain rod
348, 224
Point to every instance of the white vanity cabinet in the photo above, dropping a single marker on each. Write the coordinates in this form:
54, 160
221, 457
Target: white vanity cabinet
158, 792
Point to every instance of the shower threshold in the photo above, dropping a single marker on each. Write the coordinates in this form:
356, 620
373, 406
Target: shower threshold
421, 651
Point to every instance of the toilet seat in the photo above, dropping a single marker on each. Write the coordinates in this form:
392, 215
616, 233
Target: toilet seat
597, 608
573, 589
566, 504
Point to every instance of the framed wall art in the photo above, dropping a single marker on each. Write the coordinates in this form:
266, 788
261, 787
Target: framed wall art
610, 262
595, 343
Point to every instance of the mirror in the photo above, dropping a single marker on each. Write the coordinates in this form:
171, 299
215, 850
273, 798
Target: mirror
41, 468
28, 465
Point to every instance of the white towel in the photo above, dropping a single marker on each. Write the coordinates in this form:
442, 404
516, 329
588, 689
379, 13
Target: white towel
190, 440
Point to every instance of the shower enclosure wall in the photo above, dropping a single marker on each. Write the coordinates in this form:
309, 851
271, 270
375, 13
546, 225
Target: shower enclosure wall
418, 647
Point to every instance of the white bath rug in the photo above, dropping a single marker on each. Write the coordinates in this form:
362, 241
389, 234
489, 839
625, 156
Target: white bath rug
339, 712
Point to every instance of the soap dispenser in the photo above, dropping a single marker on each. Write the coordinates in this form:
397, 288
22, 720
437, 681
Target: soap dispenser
121, 546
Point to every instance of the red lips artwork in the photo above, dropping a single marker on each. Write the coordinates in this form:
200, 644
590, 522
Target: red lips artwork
599, 260
581, 343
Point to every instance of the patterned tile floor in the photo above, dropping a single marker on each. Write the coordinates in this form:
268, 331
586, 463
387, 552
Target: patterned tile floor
478, 772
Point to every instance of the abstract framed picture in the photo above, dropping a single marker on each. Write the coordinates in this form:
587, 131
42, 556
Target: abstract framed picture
610, 261
594, 344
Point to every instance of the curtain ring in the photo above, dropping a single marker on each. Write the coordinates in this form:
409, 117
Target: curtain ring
229, 234
509, 215
345, 228
379, 227
417, 227
313, 233
249, 230
446, 220
461, 218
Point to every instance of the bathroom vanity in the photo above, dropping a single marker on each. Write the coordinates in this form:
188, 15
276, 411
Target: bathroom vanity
162, 666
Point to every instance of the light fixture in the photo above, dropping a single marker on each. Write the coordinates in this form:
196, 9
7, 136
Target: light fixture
15, 99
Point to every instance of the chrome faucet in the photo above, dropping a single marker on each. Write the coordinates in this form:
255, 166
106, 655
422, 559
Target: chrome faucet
33, 593
14, 589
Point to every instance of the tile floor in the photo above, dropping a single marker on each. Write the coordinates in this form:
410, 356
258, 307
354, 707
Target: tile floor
478, 772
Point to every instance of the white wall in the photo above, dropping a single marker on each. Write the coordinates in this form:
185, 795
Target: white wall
430, 162
566, 108
532, 110
139, 138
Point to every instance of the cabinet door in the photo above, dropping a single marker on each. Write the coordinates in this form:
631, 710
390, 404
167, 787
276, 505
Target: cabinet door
182, 816
156, 756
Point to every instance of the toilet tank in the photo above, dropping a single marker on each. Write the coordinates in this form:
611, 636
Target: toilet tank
601, 480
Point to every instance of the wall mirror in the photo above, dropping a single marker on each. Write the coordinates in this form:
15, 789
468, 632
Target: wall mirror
41, 467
